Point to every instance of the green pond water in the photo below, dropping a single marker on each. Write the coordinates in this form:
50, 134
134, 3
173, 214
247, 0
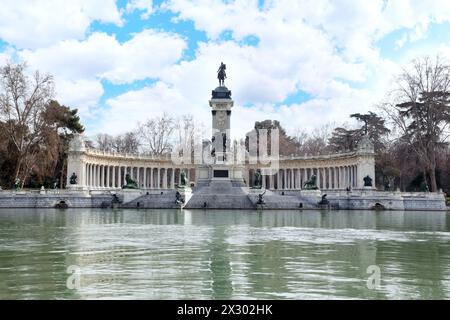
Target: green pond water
173, 254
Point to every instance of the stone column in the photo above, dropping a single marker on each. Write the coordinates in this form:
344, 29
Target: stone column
144, 178
96, 179
99, 175
114, 176
151, 178
304, 177
318, 178
90, 175
292, 183
172, 178
346, 177
279, 179
159, 179
330, 179
107, 168
351, 176
335, 181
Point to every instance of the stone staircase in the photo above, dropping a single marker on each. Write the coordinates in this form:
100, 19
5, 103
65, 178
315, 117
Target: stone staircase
166, 200
220, 195
274, 200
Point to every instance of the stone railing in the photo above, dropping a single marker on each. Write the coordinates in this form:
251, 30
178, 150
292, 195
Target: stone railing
139, 156
320, 156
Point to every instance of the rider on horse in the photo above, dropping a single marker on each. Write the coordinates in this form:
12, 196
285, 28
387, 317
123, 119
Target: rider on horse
221, 75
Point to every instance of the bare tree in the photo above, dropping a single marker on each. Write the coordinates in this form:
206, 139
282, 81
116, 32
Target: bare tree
156, 134
420, 110
125, 143
104, 142
313, 143
23, 100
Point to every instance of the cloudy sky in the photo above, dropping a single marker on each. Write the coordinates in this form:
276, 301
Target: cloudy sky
303, 62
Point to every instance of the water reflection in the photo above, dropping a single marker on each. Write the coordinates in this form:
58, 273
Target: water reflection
162, 254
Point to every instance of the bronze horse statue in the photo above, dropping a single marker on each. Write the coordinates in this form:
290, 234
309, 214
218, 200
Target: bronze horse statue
221, 75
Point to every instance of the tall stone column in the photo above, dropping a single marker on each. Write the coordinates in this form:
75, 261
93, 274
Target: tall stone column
113, 176
279, 179
172, 178
107, 176
351, 175
90, 175
151, 178
144, 177
347, 177
98, 168
158, 185
328, 170
318, 178
294, 180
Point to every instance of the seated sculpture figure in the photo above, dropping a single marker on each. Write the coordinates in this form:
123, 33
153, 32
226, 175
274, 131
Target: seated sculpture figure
257, 184
179, 198
367, 181
73, 178
130, 183
311, 184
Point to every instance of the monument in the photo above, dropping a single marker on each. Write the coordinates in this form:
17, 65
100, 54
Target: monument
220, 179
220, 165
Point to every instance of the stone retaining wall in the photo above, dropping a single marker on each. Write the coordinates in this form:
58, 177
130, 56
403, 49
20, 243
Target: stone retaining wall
355, 199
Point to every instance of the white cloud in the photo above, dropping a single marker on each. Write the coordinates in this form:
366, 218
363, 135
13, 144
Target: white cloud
146, 54
146, 6
82, 94
126, 110
79, 66
36, 23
